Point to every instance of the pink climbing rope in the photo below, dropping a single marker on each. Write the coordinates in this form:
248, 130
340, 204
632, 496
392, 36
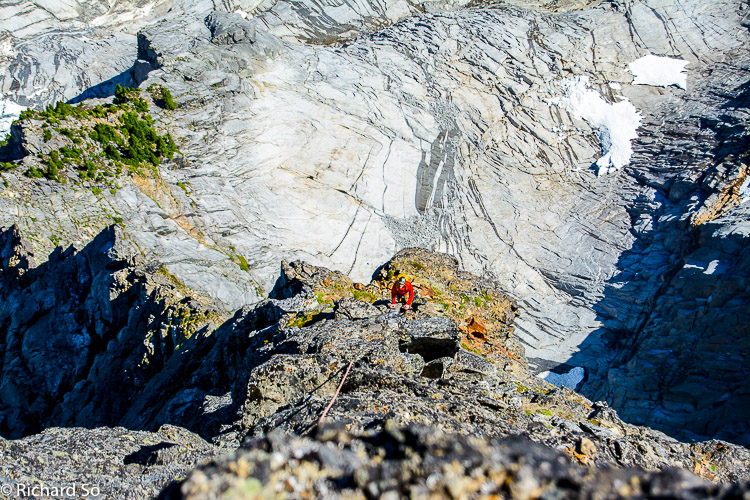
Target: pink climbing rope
336, 394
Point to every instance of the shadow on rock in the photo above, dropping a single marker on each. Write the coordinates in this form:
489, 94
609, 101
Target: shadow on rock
675, 317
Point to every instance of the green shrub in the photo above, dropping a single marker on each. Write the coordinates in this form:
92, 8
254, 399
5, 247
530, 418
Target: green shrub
54, 164
104, 134
131, 140
141, 105
111, 152
168, 100
99, 111
363, 295
121, 96
67, 132
90, 168
69, 153
34, 173
52, 171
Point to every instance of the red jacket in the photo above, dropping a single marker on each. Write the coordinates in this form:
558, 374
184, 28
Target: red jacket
398, 291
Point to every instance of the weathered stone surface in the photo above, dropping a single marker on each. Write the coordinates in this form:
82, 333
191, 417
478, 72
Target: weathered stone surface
418, 462
85, 331
452, 145
16, 255
99, 463
259, 372
694, 382
229, 28
355, 309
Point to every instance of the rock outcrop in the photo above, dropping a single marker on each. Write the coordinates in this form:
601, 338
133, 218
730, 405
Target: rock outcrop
693, 383
84, 331
99, 463
339, 133
416, 462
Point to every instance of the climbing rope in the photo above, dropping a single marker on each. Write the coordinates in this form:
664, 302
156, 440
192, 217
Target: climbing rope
335, 395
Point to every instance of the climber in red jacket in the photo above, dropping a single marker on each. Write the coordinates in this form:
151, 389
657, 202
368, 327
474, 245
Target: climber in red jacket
403, 291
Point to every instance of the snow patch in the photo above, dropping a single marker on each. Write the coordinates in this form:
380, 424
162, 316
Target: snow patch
570, 379
616, 123
745, 190
122, 17
9, 111
659, 71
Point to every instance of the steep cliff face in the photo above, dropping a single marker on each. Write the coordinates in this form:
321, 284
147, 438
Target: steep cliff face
342, 133
85, 331
684, 369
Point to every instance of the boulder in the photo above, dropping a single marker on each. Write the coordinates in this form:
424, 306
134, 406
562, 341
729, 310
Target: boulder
355, 309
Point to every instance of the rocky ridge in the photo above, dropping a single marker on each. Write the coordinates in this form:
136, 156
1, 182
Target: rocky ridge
99, 463
275, 367
417, 462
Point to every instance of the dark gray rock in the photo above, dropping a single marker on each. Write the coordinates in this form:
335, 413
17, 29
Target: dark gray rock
86, 330
422, 462
100, 463
438, 368
694, 384
229, 28
16, 255
255, 373
432, 338
354, 309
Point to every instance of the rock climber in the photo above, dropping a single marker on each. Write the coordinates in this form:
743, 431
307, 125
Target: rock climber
402, 291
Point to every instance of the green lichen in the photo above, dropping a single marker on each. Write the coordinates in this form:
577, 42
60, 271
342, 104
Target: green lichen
304, 319
363, 295
243, 263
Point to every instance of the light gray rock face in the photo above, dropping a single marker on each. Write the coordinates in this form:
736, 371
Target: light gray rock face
445, 130
58, 51
438, 131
